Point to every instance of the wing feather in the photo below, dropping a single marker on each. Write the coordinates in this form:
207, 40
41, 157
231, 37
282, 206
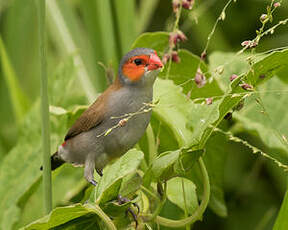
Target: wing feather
94, 115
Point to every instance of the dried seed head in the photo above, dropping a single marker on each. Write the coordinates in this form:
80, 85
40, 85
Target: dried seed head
208, 101
277, 4
175, 5
263, 17
187, 4
200, 79
249, 44
233, 77
246, 86
175, 57
176, 37
123, 122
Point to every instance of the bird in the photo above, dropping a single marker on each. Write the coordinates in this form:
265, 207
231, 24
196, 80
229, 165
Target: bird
116, 121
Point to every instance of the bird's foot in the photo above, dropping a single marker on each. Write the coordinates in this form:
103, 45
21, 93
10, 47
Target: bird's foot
93, 182
100, 172
123, 200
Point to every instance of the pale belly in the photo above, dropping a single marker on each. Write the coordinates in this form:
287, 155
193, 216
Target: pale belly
123, 138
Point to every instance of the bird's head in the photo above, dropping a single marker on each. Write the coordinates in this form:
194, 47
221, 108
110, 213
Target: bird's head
140, 67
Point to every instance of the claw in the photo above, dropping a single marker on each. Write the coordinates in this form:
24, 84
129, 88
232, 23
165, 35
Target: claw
93, 182
134, 216
123, 200
137, 206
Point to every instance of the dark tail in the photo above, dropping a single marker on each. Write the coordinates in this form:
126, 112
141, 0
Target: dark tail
56, 162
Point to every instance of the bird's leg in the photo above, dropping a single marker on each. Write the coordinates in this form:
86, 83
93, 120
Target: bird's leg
123, 200
89, 169
99, 171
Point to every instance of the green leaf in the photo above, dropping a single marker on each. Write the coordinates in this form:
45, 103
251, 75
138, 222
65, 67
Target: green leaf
63, 215
269, 119
176, 196
267, 67
158, 41
170, 164
217, 148
237, 65
175, 110
282, 219
110, 184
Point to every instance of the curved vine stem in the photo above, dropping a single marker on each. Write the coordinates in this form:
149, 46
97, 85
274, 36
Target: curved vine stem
99, 212
200, 210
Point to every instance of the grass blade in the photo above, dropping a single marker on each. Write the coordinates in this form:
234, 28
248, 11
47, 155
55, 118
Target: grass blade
60, 25
125, 20
18, 98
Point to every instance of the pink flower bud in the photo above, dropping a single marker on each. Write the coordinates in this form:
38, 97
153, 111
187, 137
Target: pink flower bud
187, 4
246, 43
175, 57
233, 77
263, 17
277, 4
246, 86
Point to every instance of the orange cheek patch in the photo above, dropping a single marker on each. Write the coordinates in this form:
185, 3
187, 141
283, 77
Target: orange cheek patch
134, 73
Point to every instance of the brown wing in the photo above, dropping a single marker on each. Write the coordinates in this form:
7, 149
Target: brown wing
94, 115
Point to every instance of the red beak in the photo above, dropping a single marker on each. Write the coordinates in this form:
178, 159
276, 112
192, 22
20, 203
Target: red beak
154, 62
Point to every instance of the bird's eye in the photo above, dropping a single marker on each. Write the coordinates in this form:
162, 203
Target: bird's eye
138, 61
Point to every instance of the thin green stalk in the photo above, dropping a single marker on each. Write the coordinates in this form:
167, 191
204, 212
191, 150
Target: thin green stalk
96, 209
47, 198
175, 28
152, 148
197, 215
185, 203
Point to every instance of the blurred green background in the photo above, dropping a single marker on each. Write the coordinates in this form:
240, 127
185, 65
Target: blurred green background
91, 31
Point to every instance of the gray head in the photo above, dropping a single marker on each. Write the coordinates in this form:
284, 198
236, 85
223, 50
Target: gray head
139, 67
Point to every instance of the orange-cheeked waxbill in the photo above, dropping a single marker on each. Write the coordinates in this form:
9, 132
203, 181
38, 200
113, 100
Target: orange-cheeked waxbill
88, 141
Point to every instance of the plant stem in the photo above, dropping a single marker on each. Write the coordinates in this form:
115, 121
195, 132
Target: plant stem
197, 215
152, 149
185, 203
47, 197
96, 209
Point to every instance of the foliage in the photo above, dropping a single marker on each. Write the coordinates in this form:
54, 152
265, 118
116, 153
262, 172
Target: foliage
194, 161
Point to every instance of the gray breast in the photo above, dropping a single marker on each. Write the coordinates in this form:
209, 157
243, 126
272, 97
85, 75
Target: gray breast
123, 104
